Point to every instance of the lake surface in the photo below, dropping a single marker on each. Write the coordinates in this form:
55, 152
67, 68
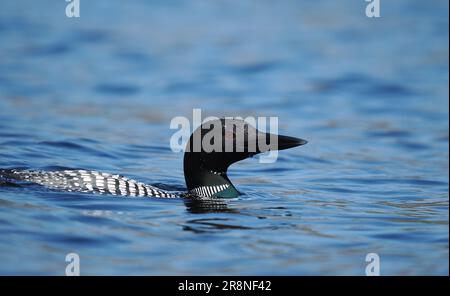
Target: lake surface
98, 92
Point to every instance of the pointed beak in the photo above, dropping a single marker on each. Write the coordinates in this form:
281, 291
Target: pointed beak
263, 142
278, 142
285, 142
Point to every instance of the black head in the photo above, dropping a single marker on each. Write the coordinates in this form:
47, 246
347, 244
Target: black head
216, 145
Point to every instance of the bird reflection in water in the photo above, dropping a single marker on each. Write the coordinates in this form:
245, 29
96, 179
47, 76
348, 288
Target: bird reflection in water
201, 206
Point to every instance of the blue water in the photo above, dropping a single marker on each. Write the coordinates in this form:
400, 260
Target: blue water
98, 92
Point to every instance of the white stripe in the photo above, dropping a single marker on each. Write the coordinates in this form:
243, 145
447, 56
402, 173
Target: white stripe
100, 183
141, 190
132, 188
122, 187
111, 187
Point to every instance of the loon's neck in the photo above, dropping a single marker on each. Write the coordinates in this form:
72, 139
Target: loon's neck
204, 181
212, 184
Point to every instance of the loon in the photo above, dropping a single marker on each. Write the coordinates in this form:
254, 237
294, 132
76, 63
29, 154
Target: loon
205, 171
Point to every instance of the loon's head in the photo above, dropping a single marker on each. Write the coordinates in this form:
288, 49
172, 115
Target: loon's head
216, 145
